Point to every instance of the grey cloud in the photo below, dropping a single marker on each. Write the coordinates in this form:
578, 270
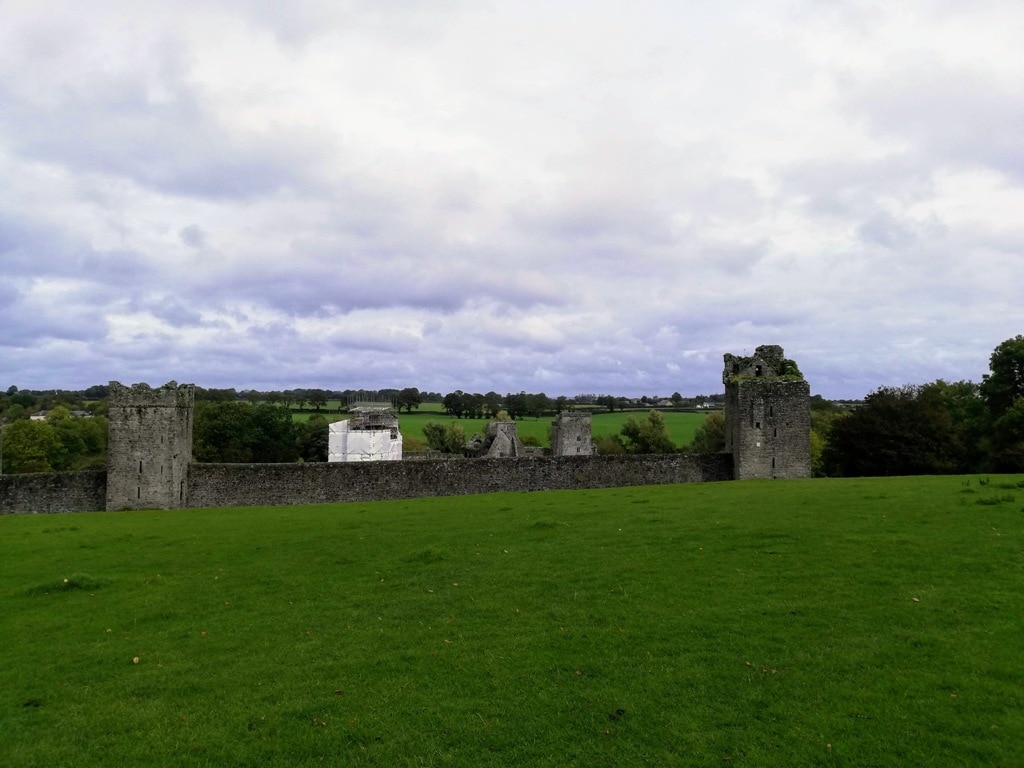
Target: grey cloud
193, 236
25, 323
175, 147
35, 250
171, 310
884, 230
951, 116
732, 258
852, 187
322, 284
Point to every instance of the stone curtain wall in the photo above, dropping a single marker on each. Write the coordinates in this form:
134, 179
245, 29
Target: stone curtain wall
225, 485
236, 485
53, 492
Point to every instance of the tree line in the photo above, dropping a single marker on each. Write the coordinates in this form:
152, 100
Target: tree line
934, 428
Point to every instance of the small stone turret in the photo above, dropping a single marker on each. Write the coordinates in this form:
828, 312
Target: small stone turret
767, 415
149, 445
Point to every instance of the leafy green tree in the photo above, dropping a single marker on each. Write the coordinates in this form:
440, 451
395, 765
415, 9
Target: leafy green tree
244, 433
517, 405
897, 431
454, 403
649, 435
1004, 383
317, 398
15, 412
492, 404
824, 413
677, 399
25, 399
408, 398
609, 445
96, 392
475, 406
29, 446
1008, 439
710, 436
970, 422
216, 395
449, 438
71, 445
539, 404
312, 438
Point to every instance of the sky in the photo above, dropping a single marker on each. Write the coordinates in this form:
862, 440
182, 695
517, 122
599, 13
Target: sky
563, 196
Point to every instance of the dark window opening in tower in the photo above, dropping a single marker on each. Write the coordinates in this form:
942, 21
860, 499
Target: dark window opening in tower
757, 370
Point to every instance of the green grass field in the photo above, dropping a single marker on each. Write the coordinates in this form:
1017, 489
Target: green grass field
868, 622
681, 426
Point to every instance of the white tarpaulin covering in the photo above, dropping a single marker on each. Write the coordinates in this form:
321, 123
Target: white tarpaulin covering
345, 444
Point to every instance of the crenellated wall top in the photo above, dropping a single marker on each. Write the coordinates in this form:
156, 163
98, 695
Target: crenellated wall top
170, 395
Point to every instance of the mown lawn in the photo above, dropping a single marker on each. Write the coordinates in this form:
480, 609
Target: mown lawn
870, 622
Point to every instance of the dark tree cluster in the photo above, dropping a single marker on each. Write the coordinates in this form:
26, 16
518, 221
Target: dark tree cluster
461, 405
936, 428
249, 433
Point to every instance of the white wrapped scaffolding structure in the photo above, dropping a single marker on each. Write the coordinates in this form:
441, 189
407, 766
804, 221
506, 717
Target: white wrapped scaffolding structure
371, 434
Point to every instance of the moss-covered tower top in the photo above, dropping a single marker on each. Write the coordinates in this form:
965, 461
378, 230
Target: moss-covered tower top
768, 362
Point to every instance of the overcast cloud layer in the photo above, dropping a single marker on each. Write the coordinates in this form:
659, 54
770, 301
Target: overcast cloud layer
557, 196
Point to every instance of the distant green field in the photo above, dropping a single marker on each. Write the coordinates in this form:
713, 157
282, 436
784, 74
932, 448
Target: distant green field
868, 622
681, 426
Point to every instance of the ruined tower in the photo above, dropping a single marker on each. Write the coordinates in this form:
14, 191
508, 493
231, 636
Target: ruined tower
149, 446
767, 415
571, 434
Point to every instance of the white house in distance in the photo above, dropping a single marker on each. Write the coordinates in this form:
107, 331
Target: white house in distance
371, 434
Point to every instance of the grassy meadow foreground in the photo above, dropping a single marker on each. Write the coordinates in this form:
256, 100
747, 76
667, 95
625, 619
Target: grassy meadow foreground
867, 622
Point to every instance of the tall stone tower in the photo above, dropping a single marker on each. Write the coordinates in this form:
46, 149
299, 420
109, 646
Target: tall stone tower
571, 434
149, 446
767, 415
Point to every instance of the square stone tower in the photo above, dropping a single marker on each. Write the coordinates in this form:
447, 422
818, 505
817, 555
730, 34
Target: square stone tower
149, 446
571, 434
767, 415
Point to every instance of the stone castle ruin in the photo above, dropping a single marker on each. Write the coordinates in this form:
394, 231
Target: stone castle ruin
767, 415
149, 446
501, 442
150, 464
571, 435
